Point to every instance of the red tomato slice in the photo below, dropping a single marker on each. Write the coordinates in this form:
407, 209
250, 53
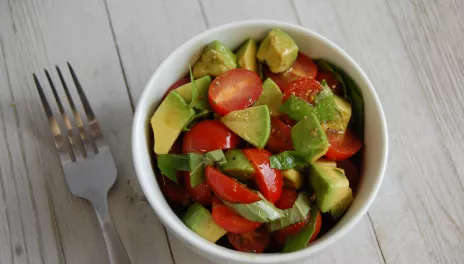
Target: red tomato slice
280, 138
251, 242
178, 83
234, 90
200, 193
269, 181
282, 234
303, 87
331, 81
209, 135
342, 146
351, 172
229, 189
302, 67
231, 221
287, 199
175, 193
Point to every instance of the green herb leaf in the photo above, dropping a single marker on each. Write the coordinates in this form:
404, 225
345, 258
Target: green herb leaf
352, 93
301, 239
287, 160
297, 213
195, 118
194, 89
260, 211
197, 169
169, 164
215, 156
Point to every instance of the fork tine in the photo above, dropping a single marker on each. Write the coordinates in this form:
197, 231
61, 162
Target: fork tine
93, 124
76, 142
61, 142
83, 129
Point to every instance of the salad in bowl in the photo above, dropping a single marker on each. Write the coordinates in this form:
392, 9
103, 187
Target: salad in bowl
259, 149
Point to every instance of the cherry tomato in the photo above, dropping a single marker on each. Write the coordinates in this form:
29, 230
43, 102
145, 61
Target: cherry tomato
331, 81
174, 192
251, 242
302, 67
234, 90
231, 221
269, 180
303, 87
282, 234
209, 135
178, 83
229, 189
351, 172
200, 193
280, 138
287, 199
342, 146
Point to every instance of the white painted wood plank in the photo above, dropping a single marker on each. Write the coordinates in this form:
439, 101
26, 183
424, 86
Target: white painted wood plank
36, 36
418, 214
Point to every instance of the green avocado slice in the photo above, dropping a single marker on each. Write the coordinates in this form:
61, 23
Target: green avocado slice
215, 59
271, 96
246, 56
278, 51
337, 210
309, 138
200, 221
253, 124
202, 85
329, 184
237, 165
301, 239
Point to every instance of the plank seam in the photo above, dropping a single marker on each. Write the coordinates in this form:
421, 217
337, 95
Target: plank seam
121, 64
298, 19
203, 14
376, 237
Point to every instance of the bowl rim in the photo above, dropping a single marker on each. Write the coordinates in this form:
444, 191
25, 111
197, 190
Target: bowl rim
142, 160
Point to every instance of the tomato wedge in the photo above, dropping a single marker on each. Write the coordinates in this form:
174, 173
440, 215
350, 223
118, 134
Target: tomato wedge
287, 199
251, 242
342, 146
351, 173
303, 87
174, 192
331, 81
229, 189
234, 90
280, 138
282, 234
178, 83
231, 221
302, 67
209, 135
269, 180
200, 193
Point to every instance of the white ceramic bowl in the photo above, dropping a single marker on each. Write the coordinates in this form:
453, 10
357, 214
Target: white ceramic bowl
232, 35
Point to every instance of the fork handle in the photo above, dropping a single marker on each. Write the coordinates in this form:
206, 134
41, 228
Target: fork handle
116, 251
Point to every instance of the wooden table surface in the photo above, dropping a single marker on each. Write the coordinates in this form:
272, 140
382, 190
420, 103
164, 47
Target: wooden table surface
412, 50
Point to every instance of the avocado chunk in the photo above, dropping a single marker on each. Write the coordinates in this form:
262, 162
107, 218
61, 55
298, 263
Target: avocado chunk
253, 124
215, 59
326, 162
326, 110
202, 85
237, 165
297, 213
345, 110
337, 210
246, 56
260, 211
309, 138
292, 179
296, 108
271, 96
200, 221
278, 51
168, 120
329, 185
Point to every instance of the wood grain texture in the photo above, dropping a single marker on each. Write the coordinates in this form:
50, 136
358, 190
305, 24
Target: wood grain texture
417, 215
37, 35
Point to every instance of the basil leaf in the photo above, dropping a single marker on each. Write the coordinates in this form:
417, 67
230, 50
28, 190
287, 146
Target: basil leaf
215, 156
297, 213
194, 89
301, 239
352, 93
287, 160
197, 169
169, 164
260, 211
193, 120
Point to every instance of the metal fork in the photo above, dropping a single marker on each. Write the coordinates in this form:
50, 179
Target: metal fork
87, 162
